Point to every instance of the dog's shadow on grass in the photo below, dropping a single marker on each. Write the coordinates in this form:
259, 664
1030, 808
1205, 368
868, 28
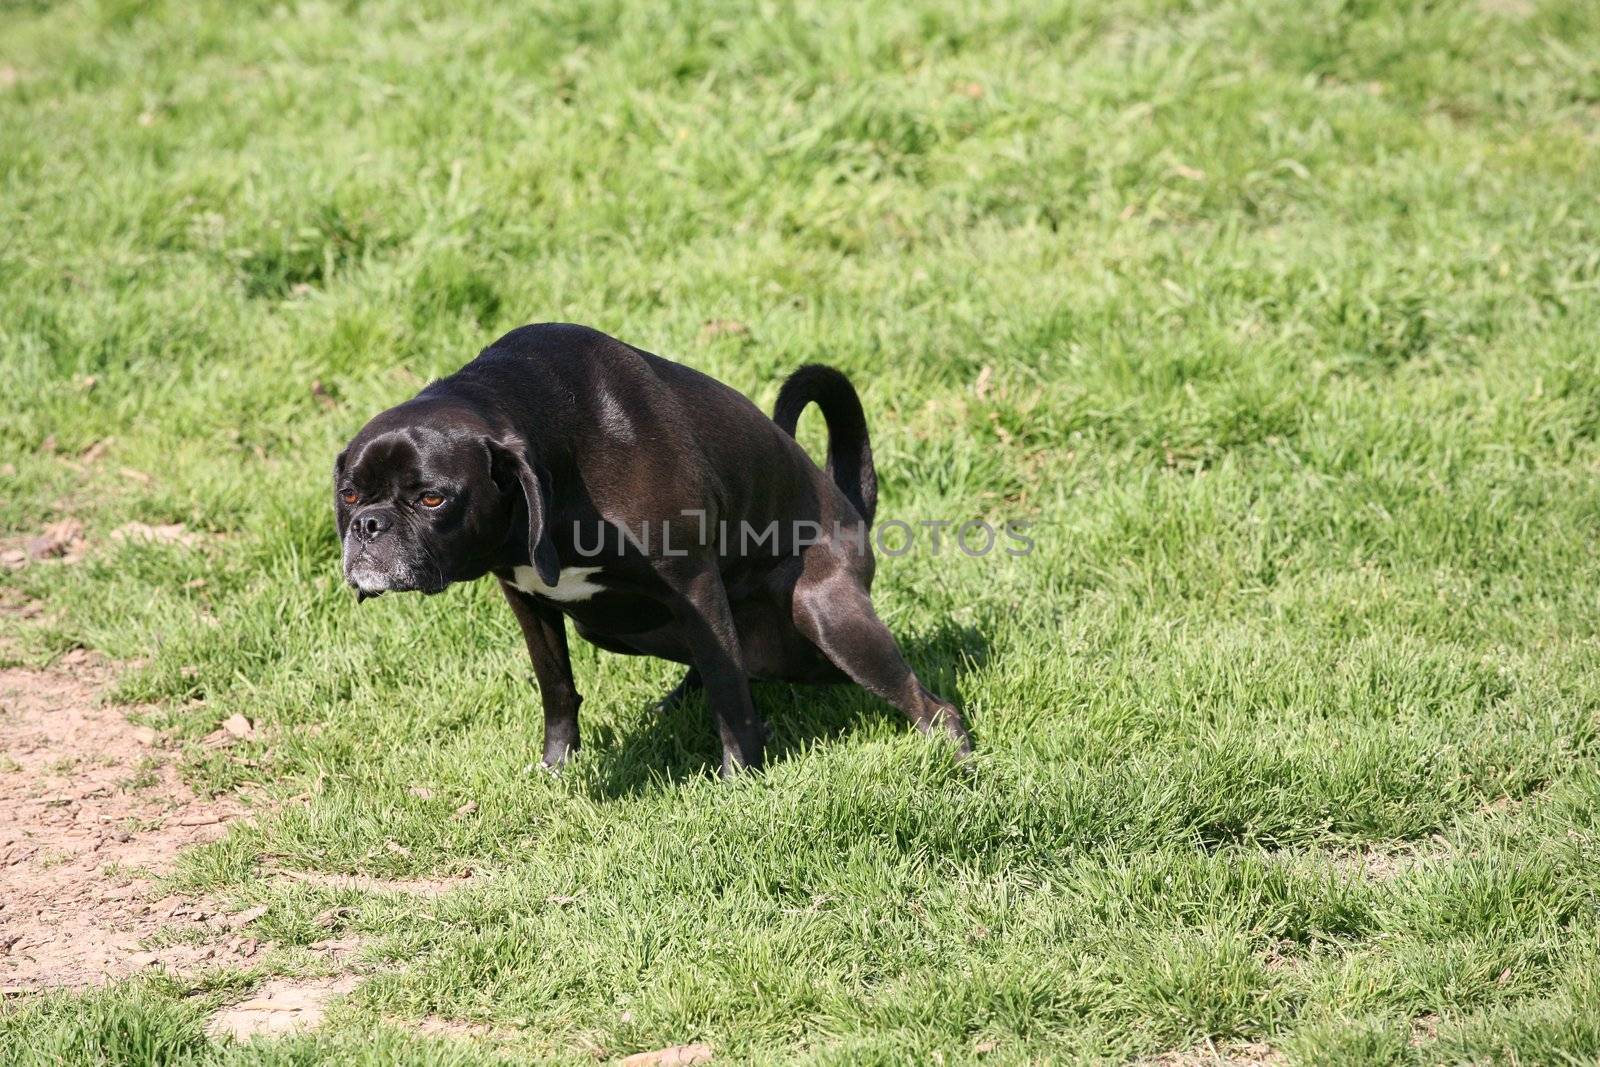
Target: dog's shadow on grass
666, 748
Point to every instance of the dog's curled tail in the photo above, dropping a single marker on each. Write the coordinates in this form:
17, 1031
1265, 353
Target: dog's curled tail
849, 452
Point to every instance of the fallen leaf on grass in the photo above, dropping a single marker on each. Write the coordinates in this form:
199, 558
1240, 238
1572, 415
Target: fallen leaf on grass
200, 820
59, 540
27, 609
233, 728
722, 327
320, 391
672, 1056
171, 533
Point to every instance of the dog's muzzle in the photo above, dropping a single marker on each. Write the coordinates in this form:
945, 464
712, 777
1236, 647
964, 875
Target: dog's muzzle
368, 580
374, 562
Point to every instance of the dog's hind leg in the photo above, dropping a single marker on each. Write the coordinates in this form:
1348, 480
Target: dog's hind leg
546, 634
836, 615
706, 622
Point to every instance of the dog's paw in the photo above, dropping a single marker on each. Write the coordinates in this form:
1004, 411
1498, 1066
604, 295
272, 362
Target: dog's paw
947, 726
736, 765
557, 756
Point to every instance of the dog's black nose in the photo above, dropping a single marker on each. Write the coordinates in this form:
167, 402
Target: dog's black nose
370, 524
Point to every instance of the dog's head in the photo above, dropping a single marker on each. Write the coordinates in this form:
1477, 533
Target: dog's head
426, 495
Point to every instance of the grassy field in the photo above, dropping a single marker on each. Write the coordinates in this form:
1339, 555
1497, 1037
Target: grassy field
1278, 317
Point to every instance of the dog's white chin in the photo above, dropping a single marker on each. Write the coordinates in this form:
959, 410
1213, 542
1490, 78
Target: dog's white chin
370, 581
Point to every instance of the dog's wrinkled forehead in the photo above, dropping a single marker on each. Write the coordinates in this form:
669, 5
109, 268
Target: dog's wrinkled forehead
410, 457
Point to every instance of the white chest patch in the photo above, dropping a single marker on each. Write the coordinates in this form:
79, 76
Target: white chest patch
572, 584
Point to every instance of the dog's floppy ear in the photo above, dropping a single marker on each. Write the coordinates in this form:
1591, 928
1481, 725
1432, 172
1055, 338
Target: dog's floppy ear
509, 461
338, 481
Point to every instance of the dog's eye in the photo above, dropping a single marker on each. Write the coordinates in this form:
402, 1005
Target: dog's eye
430, 500
349, 496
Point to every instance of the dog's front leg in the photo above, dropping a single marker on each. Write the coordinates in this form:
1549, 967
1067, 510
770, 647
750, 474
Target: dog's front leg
546, 634
706, 622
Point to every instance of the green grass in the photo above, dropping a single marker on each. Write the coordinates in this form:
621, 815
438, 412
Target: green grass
1286, 312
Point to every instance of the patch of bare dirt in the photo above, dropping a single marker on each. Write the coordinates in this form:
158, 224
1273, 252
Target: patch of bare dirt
1424, 1030
441, 1027
1242, 1054
1515, 9
16, 605
95, 806
62, 540
280, 1006
421, 887
673, 1056
1384, 864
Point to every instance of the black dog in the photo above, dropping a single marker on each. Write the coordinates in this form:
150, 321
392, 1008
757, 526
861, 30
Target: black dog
656, 507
